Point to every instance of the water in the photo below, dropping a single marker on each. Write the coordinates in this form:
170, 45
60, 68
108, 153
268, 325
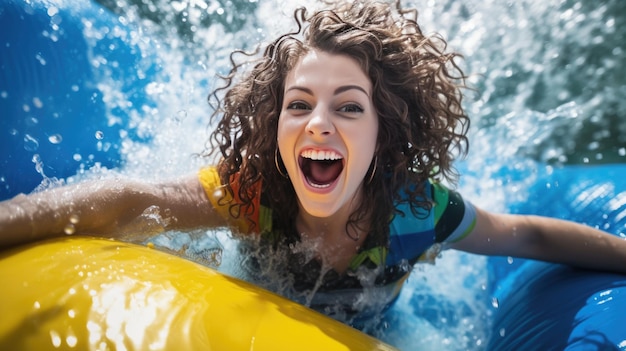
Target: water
549, 86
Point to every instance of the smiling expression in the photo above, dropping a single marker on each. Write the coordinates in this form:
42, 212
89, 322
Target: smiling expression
327, 132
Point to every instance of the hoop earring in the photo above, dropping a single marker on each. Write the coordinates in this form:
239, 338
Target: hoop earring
369, 181
278, 166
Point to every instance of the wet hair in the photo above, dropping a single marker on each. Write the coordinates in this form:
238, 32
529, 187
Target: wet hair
416, 93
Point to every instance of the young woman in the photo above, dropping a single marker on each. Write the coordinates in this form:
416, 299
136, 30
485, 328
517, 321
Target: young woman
333, 150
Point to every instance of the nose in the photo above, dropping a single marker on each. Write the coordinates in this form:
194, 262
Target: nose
320, 124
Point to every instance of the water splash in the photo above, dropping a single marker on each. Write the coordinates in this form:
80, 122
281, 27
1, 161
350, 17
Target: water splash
530, 101
549, 88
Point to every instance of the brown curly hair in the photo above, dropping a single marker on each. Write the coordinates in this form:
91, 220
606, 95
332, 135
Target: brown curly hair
416, 93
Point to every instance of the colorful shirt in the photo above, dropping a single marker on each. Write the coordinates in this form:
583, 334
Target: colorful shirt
412, 238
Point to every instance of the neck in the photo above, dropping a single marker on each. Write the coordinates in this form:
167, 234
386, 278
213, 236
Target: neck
329, 235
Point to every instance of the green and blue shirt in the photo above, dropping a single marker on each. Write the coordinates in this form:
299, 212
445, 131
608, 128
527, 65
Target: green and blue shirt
412, 238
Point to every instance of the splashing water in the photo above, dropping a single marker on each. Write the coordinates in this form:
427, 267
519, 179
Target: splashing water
549, 87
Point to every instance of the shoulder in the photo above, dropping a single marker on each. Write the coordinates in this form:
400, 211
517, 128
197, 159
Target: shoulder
454, 216
414, 230
209, 179
242, 215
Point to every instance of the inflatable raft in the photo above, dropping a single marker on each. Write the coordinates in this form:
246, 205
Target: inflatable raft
82, 293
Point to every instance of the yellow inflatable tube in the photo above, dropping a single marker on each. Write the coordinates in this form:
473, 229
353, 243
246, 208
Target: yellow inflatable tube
81, 293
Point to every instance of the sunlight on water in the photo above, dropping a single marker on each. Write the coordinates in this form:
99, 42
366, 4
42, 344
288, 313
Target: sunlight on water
547, 85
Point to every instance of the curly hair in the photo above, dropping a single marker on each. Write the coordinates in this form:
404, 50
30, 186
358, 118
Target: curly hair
416, 93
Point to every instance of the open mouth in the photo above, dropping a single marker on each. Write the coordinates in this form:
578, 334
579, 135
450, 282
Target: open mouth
320, 168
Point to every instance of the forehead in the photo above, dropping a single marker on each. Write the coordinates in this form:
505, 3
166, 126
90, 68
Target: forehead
321, 68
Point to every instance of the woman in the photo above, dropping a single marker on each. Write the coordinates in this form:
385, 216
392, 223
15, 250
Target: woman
332, 153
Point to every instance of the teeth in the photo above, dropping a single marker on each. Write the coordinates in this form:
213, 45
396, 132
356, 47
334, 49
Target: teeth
319, 186
321, 155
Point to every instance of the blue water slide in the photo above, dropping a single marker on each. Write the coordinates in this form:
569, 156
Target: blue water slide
53, 118
544, 306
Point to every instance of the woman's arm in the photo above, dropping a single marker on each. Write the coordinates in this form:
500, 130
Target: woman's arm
110, 208
545, 239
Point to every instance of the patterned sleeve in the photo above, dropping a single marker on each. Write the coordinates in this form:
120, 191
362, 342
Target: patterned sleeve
454, 217
227, 206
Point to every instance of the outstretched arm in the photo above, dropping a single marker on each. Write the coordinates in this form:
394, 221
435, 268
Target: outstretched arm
104, 208
545, 239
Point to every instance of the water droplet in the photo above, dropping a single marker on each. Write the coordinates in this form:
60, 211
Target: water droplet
69, 229
55, 139
218, 193
71, 313
31, 121
180, 115
99, 135
55, 338
38, 164
71, 339
610, 22
74, 219
37, 102
30, 143
509, 260
41, 60
52, 11
494, 302
77, 157
36, 305
502, 332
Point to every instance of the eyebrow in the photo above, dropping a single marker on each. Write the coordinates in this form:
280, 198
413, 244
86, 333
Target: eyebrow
339, 90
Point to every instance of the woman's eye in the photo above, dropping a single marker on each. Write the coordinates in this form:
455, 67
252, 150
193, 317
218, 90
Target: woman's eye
298, 105
351, 108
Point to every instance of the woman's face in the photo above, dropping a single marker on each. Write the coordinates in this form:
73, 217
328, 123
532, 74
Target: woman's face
327, 131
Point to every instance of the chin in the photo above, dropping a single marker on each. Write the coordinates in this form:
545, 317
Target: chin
319, 211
